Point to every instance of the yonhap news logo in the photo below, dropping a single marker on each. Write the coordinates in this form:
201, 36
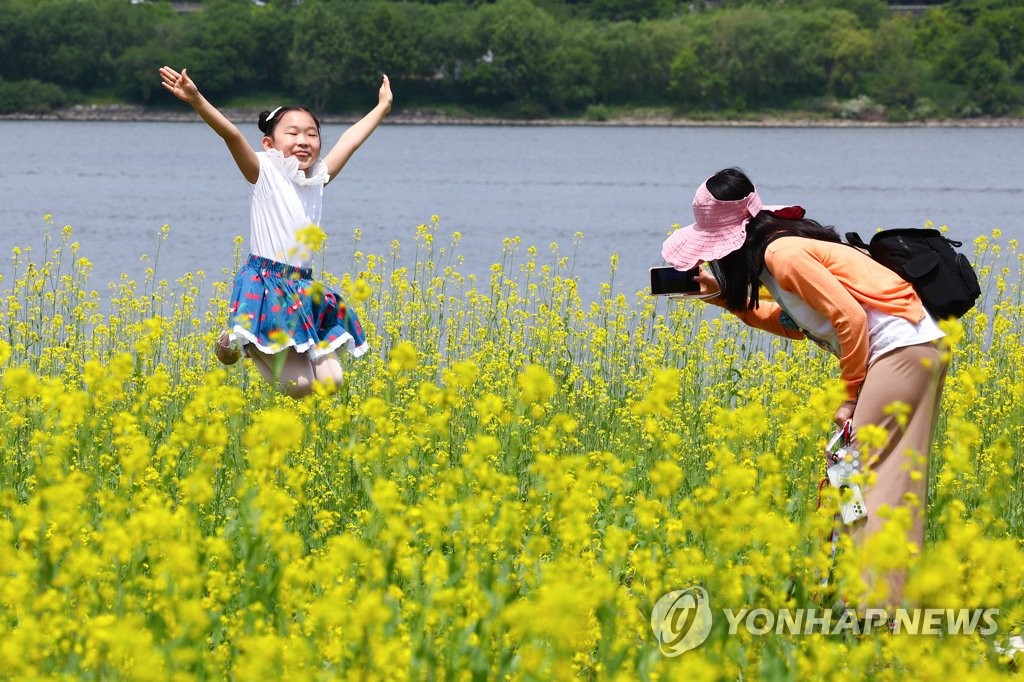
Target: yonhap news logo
681, 620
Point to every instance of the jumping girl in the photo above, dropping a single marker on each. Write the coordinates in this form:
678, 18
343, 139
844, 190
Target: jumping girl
290, 327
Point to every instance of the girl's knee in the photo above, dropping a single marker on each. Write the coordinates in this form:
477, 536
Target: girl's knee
297, 388
323, 375
328, 373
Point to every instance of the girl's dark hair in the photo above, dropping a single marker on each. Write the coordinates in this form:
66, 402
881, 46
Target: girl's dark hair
267, 124
741, 269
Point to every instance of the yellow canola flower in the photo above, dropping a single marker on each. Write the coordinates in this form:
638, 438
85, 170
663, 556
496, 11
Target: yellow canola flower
953, 330
20, 383
463, 374
361, 290
491, 407
536, 385
666, 477
312, 237
274, 433
279, 338
403, 357
316, 292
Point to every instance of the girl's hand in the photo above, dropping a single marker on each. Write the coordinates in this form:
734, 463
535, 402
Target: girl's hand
384, 97
179, 85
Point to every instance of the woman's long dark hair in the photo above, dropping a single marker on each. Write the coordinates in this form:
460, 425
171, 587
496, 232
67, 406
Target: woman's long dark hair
741, 268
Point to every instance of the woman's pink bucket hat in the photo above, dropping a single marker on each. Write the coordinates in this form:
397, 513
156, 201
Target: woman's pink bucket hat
720, 228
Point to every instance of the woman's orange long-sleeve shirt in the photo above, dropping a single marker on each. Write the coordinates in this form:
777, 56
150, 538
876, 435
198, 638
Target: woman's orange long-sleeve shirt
837, 281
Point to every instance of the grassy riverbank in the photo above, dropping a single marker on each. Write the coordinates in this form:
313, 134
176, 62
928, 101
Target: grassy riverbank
602, 116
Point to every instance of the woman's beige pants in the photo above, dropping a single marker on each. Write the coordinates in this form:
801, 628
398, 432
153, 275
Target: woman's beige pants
913, 376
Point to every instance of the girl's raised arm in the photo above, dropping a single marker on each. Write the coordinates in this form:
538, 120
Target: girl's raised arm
182, 87
352, 138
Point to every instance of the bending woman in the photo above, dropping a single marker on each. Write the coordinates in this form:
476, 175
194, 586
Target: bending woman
839, 297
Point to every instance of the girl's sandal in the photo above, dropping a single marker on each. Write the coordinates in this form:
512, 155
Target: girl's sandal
228, 352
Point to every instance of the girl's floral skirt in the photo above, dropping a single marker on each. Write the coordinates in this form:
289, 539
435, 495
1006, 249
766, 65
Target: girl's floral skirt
276, 306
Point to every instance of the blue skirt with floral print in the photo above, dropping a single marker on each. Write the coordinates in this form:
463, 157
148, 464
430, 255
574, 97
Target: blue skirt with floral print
275, 306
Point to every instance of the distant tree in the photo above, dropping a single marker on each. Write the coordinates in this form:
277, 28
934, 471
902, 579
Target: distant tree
991, 87
272, 39
1006, 25
894, 81
635, 60
447, 37
691, 83
852, 57
573, 69
933, 32
513, 41
973, 61
16, 61
812, 37
322, 53
626, 10
148, 36
963, 48
224, 48
386, 40
78, 45
624, 55
31, 96
976, 47
753, 58
869, 13
66, 44
126, 26
136, 68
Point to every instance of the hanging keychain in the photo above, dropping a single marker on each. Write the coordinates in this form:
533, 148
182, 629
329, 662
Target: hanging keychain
842, 462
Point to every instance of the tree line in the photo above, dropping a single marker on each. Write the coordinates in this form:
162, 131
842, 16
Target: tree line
523, 58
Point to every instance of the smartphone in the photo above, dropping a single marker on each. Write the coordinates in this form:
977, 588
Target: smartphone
667, 280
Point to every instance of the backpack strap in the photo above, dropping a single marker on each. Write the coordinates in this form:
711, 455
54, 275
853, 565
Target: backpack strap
854, 239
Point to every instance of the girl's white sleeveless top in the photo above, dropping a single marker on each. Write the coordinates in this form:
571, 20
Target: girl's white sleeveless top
284, 200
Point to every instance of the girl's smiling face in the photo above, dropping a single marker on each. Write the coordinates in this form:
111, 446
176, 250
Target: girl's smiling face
296, 134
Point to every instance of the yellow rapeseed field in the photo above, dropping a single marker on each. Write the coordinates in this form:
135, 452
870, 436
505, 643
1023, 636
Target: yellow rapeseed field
502, 489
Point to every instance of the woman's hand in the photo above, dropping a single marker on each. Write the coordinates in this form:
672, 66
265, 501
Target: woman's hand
384, 97
180, 85
845, 412
708, 284
709, 290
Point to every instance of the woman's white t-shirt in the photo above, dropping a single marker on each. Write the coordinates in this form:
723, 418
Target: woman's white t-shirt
885, 332
284, 200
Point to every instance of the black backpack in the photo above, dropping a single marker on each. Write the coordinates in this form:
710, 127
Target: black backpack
941, 276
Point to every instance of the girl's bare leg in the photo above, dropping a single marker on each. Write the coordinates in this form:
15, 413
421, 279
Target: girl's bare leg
298, 374
296, 378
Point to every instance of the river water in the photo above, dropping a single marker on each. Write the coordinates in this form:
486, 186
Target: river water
117, 183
